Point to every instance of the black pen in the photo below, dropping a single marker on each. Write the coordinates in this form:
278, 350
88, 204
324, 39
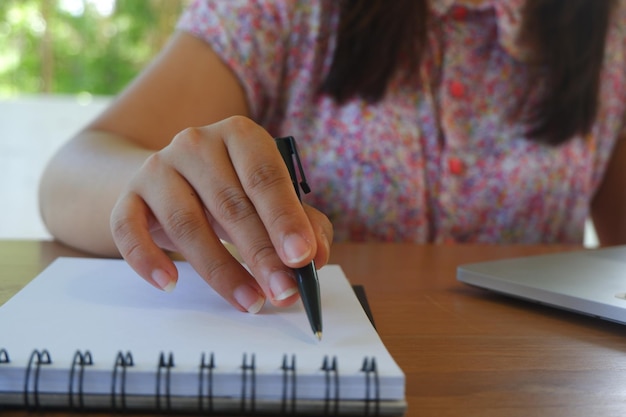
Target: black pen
306, 277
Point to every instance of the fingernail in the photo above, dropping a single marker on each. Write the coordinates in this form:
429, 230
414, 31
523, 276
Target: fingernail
296, 248
282, 285
249, 298
163, 280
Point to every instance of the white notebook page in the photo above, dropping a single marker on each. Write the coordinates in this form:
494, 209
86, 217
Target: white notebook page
101, 305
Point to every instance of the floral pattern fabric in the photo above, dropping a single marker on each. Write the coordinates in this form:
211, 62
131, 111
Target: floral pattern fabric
438, 159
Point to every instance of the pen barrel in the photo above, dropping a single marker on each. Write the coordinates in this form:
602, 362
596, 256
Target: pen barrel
306, 277
309, 289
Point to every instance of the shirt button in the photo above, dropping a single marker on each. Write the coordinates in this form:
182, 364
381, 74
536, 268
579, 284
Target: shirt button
457, 89
455, 165
459, 12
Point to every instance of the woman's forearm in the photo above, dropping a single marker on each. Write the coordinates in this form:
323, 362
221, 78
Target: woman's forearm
80, 186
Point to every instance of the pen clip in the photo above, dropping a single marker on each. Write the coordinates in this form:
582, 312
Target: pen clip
293, 153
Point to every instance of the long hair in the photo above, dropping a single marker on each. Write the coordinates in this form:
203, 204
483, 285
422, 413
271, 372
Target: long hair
566, 37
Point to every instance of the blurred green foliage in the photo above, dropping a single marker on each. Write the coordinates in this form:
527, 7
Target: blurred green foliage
76, 46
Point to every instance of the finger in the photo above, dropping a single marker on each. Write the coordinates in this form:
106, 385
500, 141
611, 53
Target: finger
130, 228
266, 181
323, 232
182, 217
231, 210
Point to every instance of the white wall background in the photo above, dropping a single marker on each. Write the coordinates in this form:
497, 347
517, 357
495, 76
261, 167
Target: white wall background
31, 130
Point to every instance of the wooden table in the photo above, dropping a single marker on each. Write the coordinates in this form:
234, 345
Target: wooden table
465, 352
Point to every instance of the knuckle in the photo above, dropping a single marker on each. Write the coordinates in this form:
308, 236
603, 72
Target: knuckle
241, 125
183, 225
124, 237
189, 138
153, 164
233, 205
264, 177
119, 227
132, 251
213, 270
283, 215
260, 251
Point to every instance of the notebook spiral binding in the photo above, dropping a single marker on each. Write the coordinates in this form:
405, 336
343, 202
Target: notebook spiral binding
168, 364
81, 359
38, 358
206, 368
372, 393
289, 385
122, 361
248, 393
331, 370
206, 405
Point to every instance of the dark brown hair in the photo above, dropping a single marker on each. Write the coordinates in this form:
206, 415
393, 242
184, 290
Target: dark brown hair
566, 37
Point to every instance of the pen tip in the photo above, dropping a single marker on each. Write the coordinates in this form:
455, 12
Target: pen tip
318, 335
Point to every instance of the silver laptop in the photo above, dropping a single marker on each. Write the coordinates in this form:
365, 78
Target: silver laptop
591, 281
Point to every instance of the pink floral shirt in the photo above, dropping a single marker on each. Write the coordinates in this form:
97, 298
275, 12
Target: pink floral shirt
435, 161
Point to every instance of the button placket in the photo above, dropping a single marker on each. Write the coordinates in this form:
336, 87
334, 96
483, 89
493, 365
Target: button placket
455, 165
458, 12
457, 89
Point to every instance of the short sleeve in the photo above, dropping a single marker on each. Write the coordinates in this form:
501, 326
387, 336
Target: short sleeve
250, 37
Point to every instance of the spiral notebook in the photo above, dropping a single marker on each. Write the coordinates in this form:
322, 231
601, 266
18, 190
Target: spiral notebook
89, 334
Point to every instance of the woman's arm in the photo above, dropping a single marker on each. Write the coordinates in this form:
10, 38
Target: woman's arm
187, 85
138, 179
81, 184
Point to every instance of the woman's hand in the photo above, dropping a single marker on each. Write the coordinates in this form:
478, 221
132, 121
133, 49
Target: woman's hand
222, 181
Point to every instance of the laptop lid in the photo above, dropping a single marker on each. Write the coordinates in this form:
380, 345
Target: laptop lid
591, 281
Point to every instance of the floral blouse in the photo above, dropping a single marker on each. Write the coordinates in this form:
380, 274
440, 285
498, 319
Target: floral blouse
437, 160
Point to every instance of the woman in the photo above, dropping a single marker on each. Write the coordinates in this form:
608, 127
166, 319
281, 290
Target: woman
441, 121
